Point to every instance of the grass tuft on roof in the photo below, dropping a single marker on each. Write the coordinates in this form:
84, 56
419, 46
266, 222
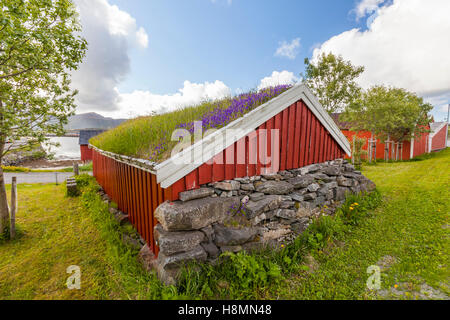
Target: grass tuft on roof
150, 137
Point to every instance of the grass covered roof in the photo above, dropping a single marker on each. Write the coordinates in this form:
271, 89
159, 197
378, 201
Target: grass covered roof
149, 137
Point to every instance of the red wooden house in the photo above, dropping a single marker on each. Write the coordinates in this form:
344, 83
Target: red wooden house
290, 131
409, 149
438, 136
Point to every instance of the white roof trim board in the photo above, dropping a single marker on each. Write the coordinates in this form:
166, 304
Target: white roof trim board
437, 129
168, 172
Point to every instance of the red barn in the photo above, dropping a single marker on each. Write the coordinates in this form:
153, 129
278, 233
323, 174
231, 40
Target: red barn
438, 136
290, 131
408, 150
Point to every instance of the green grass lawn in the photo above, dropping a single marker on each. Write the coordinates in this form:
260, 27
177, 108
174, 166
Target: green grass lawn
55, 233
407, 236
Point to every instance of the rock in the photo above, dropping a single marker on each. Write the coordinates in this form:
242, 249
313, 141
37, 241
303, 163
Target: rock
332, 171
340, 193
312, 168
272, 176
209, 233
195, 214
232, 249
196, 194
300, 226
344, 182
287, 204
307, 205
297, 197
175, 261
211, 249
310, 196
266, 204
255, 178
367, 185
147, 258
248, 187
275, 234
320, 201
349, 168
133, 242
231, 236
304, 212
257, 196
245, 180
313, 187
171, 243
227, 185
286, 214
301, 182
245, 200
275, 187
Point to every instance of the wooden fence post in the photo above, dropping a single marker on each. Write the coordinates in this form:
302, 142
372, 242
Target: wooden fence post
13, 207
76, 170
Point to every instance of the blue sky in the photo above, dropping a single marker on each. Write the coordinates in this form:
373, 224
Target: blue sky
203, 41
153, 56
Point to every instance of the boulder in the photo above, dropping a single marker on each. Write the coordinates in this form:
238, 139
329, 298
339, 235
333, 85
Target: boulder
175, 261
310, 196
301, 182
248, 187
274, 187
211, 249
313, 187
231, 236
340, 193
272, 176
255, 208
344, 182
228, 185
332, 171
286, 214
175, 242
195, 214
257, 196
196, 194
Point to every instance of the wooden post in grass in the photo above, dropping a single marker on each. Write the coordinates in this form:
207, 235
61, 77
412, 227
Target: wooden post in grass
12, 229
76, 170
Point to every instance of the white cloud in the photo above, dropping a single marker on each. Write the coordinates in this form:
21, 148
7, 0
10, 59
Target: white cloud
288, 50
111, 33
278, 78
365, 7
140, 103
406, 45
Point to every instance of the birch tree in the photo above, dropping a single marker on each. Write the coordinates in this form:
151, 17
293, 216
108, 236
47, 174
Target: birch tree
40, 45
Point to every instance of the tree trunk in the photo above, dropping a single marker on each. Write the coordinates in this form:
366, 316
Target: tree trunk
4, 210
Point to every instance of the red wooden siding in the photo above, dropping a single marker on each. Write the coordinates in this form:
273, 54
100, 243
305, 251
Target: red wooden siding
420, 144
438, 141
134, 190
86, 153
302, 140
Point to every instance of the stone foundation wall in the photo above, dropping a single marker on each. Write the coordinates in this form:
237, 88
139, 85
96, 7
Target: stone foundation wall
248, 213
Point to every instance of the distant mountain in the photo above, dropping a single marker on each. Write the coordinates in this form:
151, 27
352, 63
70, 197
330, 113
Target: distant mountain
92, 120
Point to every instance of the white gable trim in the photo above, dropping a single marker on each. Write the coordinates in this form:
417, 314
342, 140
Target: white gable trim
168, 172
435, 132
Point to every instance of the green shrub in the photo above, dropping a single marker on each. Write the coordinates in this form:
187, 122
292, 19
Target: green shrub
356, 207
322, 231
15, 169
